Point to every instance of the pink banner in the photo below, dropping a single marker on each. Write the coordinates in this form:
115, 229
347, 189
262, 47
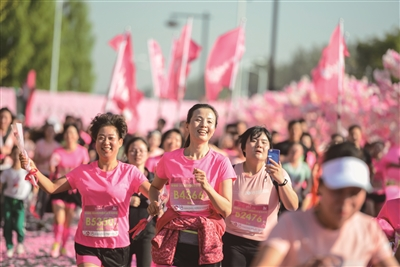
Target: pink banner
157, 63
8, 99
222, 62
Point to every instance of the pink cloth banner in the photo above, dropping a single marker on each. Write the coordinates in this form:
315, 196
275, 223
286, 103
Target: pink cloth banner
222, 62
8, 99
326, 76
123, 90
157, 63
177, 72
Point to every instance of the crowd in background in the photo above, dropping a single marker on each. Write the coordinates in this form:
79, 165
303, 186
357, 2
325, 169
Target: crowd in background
300, 157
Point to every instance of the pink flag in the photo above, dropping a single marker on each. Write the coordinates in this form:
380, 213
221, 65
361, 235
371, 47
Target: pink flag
223, 61
327, 76
123, 89
157, 63
179, 66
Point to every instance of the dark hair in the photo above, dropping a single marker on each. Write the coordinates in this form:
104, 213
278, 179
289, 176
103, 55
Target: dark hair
354, 126
190, 115
345, 149
151, 133
291, 123
107, 119
133, 140
333, 136
167, 133
162, 121
254, 132
67, 125
312, 148
9, 111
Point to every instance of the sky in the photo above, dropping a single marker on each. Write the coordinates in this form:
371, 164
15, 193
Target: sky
303, 24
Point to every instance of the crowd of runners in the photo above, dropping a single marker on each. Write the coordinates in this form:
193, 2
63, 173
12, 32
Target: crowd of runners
201, 200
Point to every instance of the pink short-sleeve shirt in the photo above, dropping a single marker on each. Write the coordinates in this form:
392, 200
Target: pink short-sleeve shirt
185, 195
106, 196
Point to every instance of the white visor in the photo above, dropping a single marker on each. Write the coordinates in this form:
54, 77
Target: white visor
346, 172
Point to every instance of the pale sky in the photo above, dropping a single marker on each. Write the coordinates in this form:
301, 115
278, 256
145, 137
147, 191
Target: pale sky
300, 24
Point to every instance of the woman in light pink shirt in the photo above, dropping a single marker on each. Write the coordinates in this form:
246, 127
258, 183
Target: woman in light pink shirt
335, 232
106, 187
256, 195
200, 196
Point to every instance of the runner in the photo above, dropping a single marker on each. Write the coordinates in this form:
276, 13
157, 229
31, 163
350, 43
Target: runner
200, 189
106, 187
335, 232
255, 199
137, 152
63, 204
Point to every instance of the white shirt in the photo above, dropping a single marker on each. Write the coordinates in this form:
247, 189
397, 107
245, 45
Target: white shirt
17, 186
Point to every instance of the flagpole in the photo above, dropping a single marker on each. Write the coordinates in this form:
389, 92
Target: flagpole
110, 92
182, 72
55, 58
340, 77
235, 68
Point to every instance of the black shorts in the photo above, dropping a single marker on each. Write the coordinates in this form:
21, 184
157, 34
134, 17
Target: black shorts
109, 257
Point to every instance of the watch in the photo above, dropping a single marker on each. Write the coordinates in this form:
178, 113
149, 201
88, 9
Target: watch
284, 183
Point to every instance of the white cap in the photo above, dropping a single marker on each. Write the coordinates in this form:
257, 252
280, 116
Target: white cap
346, 172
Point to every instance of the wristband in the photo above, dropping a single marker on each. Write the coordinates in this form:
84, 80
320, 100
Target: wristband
284, 183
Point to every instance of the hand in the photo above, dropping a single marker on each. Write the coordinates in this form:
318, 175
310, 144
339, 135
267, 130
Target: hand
154, 208
276, 171
24, 162
135, 201
201, 178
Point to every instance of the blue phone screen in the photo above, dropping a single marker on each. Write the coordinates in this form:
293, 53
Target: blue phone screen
274, 154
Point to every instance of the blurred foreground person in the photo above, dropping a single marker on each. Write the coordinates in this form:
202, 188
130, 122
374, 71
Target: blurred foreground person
335, 232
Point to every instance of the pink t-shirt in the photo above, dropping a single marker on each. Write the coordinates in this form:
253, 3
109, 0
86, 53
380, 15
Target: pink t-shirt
185, 195
104, 221
255, 205
45, 150
151, 162
300, 237
65, 161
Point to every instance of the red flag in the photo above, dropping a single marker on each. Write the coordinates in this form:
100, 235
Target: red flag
27, 93
223, 61
328, 75
179, 65
157, 63
123, 89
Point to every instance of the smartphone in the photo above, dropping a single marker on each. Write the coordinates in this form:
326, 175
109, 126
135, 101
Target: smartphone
274, 155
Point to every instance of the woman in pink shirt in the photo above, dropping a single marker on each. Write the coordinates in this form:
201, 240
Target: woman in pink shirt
335, 232
200, 197
62, 161
256, 195
170, 141
106, 187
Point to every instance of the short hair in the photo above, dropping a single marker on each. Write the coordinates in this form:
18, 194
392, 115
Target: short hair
253, 132
133, 140
107, 119
345, 149
167, 133
354, 126
291, 123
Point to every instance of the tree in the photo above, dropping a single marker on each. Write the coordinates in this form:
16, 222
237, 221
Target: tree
26, 40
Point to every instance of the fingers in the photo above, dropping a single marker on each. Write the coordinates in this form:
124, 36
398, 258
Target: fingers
153, 208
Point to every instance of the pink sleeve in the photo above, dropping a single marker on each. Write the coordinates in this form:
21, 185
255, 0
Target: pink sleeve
280, 237
138, 179
72, 175
381, 245
160, 169
226, 171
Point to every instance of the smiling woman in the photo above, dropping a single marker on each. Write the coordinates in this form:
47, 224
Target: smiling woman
200, 189
102, 237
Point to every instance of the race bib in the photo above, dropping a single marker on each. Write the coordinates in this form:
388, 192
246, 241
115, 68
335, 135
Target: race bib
252, 218
187, 195
100, 221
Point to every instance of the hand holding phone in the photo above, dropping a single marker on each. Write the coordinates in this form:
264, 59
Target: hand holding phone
273, 154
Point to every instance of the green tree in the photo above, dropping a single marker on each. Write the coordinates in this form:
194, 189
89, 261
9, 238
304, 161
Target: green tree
26, 39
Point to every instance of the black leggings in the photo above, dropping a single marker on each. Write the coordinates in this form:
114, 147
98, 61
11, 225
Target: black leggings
142, 250
188, 256
238, 251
